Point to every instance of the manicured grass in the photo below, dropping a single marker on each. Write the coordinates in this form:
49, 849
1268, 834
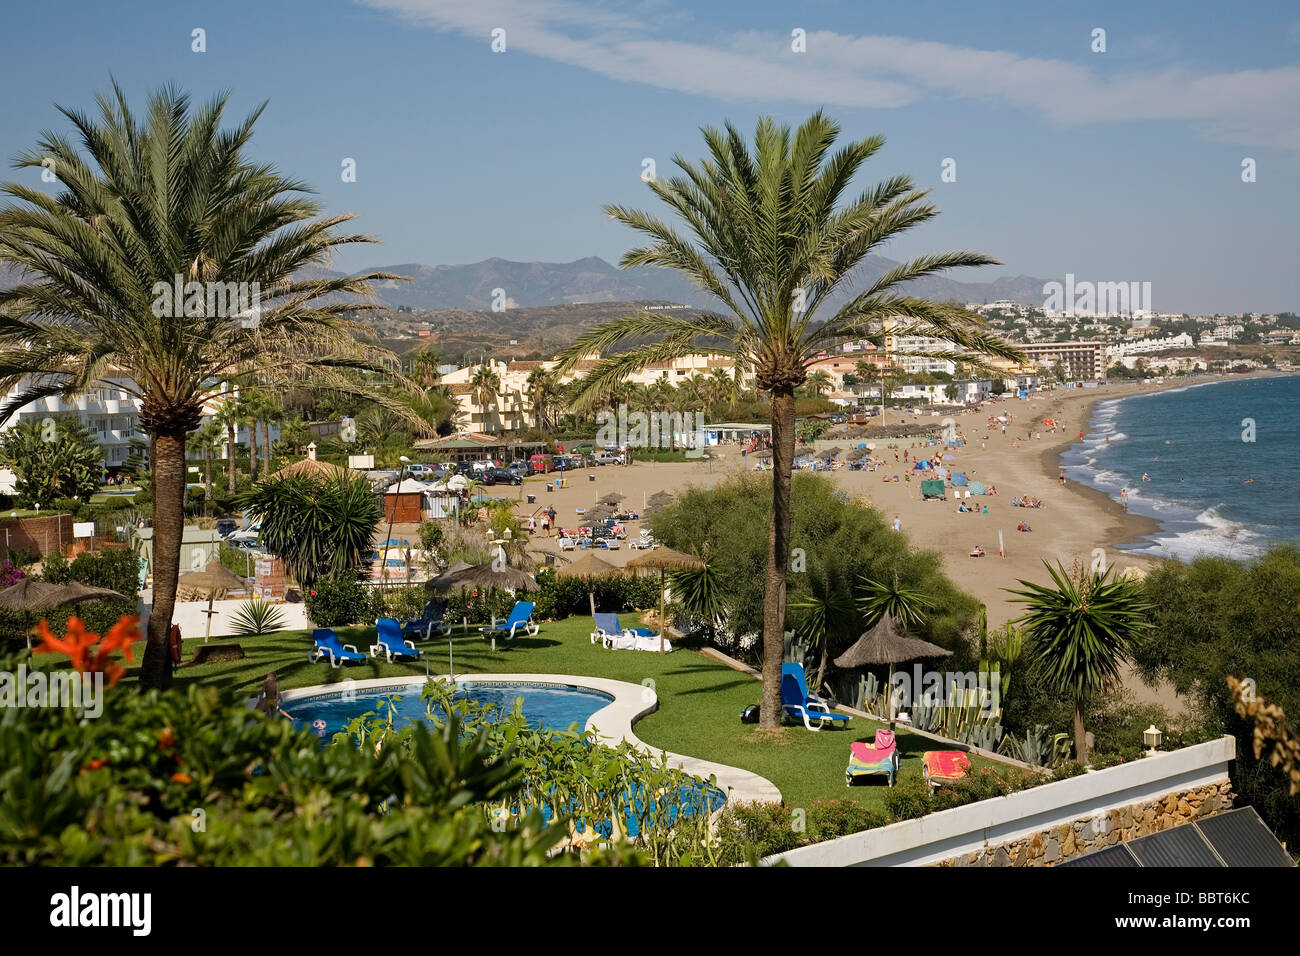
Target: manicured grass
699, 699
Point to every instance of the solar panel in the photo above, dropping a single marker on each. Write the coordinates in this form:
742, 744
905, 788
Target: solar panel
1242, 839
1180, 846
1111, 857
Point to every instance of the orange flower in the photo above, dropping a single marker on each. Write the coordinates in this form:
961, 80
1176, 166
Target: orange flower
95, 764
166, 741
182, 778
77, 644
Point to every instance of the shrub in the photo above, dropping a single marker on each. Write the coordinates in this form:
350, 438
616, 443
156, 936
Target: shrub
479, 607
748, 832
257, 617
405, 602
340, 601
559, 597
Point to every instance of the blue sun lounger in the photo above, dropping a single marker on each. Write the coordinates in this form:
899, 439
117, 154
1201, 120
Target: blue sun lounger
389, 641
520, 619
327, 643
796, 701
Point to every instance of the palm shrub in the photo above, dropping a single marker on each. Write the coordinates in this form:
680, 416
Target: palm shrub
768, 237
318, 527
257, 617
146, 203
1082, 631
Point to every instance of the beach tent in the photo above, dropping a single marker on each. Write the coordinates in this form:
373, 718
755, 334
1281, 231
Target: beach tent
920, 466
959, 479
933, 488
941, 472
977, 487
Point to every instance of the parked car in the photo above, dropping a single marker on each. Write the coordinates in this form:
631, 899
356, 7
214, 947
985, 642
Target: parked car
520, 468
607, 458
227, 526
422, 471
500, 476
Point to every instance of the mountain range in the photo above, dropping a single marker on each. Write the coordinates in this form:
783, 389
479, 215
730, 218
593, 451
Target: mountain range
529, 284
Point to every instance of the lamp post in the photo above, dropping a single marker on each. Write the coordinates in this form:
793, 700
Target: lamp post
393, 514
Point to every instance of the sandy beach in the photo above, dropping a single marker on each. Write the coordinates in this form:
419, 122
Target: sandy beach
1072, 523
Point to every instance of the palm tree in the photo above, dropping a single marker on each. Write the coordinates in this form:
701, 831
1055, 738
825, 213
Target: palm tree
1082, 631
146, 203
204, 439
726, 387
818, 382
228, 417
768, 243
543, 395
317, 527
424, 366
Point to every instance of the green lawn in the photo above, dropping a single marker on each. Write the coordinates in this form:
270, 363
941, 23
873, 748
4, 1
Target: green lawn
699, 699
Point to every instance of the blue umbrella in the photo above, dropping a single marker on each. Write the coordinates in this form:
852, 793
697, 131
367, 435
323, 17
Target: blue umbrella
959, 479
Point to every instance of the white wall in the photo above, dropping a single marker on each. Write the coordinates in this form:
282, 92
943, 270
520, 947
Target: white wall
966, 829
192, 617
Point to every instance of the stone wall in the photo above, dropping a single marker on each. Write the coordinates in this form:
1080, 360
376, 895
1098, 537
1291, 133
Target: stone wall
1048, 847
42, 536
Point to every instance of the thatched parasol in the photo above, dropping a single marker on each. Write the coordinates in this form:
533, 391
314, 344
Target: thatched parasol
664, 560
598, 513
484, 577
857, 454
587, 567
888, 643
214, 577
612, 497
31, 596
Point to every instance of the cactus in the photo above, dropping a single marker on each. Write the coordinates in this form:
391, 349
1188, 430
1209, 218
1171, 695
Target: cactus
1037, 749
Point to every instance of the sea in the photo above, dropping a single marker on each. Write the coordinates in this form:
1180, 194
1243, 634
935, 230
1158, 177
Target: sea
1221, 460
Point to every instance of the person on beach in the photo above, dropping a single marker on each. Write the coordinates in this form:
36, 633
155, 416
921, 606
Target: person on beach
546, 524
1062, 477
898, 524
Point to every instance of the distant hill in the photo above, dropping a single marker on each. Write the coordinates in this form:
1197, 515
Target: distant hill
527, 284
472, 287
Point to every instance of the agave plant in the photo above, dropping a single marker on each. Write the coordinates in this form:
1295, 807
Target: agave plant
257, 617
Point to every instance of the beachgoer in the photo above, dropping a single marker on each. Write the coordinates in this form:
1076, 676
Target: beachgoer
898, 523
268, 701
1062, 477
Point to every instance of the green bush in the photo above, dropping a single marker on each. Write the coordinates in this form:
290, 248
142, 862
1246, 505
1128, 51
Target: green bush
748, 832
563, 597
340, 601
480, 607
404, 602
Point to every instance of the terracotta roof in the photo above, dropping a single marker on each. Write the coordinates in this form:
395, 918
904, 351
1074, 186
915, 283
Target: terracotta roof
520, 366
312, 468
460, 389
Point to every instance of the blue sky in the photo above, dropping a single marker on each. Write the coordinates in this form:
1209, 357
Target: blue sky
1115, 166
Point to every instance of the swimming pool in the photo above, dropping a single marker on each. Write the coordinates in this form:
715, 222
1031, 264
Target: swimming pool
554, 706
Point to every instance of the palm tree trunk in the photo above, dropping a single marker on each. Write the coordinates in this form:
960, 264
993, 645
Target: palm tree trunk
252, 450
266, 446
1080, 735
231, 447
778, 554
167, 456
207, 478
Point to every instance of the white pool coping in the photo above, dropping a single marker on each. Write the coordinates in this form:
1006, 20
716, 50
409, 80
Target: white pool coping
612, 724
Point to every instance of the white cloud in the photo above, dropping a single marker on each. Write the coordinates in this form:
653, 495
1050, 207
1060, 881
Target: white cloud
1249, 107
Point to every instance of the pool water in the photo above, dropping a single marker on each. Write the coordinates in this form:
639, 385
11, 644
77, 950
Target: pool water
554, 706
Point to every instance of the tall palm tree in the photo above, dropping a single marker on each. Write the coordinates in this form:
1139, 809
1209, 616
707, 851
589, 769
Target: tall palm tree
768, 243
1082, 631
485, 385
146, 202
543, 395
424, 366
228, 418
726, 387
209, 435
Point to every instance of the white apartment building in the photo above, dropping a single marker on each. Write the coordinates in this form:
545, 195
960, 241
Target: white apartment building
1182, 340
109, 411
908, 353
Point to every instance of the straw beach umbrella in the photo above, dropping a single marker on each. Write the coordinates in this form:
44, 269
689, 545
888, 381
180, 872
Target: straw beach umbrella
612, 498
888, 643
664, 560
214, 577
484, 577
587, 567
29, 596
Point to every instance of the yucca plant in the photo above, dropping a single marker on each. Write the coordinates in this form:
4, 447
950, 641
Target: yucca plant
257, 617
879, 599
146, 204
1082, 630
317, 527
768, 238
